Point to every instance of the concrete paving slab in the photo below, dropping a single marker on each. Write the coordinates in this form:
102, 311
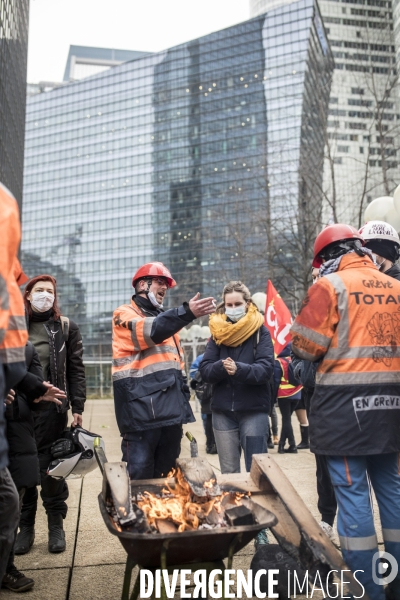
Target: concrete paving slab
102, 582
98, 547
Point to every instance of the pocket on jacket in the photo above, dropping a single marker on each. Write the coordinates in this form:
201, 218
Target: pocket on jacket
158, 405
339, 471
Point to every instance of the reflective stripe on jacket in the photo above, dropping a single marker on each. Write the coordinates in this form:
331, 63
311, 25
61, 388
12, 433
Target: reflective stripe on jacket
351, 319
286, 389
12, 348
149, 388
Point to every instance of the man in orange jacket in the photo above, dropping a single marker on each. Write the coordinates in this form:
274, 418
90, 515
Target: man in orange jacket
150, 390
13, 339
351, 320
10, 235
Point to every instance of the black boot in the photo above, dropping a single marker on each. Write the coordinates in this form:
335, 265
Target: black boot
270, 443
56, 533
16, 581
304, 444
281, 448
25, 539
292, 449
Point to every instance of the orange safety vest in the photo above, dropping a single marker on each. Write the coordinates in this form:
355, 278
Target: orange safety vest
134, 352
14, 335
286, 389
351, 320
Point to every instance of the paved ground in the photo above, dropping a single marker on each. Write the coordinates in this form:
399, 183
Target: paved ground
93, 565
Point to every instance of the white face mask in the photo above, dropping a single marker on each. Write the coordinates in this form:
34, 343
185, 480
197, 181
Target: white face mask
234, 314
42, 301
153, 300
379, 260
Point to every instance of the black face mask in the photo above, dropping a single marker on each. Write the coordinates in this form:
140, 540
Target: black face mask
385, 248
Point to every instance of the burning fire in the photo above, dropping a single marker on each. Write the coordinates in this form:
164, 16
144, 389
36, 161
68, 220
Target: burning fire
180, 506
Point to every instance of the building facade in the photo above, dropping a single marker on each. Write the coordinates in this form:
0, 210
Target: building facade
13, 64
363, 142
84, 61
191, 156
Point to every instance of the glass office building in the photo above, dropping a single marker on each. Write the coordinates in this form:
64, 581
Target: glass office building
182, 156
13, 62
363, 125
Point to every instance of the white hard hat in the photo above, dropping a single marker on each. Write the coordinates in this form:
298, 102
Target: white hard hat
80, 458
379, 230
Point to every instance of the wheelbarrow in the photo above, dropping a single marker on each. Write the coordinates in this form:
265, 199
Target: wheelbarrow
274, 501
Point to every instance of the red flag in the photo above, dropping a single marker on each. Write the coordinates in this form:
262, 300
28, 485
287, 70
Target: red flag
278, 319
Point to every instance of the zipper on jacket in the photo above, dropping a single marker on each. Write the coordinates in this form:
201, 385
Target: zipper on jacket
52, 347
152, 408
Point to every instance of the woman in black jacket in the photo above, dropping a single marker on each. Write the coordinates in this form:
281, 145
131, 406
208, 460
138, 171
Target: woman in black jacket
59, 345
239, 361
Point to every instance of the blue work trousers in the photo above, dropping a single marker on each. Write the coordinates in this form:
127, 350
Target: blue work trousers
152, 453
237, 430
355, 523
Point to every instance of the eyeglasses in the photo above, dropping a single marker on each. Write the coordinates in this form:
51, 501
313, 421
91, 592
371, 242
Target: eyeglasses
159, 281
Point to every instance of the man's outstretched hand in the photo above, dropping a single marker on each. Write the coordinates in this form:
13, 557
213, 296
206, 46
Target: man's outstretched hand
201, 306
53, 394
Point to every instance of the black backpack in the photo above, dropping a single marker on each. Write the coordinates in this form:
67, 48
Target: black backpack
203, 390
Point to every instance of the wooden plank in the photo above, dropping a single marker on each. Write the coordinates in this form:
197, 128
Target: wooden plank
266, 474
165, 526
238, 482
286, 530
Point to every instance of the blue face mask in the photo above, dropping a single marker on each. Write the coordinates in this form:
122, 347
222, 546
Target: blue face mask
235, 314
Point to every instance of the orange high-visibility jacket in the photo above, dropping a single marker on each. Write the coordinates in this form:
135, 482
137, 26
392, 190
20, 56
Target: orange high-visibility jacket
351, 320
148, 377
10, 236
14, 339
286, 389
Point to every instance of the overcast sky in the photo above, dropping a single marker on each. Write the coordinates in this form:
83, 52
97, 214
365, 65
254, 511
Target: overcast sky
149, 25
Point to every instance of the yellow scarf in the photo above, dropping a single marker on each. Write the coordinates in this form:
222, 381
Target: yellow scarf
233, 334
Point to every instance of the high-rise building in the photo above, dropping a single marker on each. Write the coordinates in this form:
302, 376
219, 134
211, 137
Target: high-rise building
84, 61
191, 156
363, 142
13, 63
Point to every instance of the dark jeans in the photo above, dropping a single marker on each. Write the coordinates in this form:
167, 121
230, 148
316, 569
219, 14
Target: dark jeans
287, 406
151, 454
10, 563
327, 504
54, 493
9, 510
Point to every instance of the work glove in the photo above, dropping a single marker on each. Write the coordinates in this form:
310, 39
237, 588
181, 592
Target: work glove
62, 448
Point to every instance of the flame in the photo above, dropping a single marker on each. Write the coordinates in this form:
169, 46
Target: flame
179, 505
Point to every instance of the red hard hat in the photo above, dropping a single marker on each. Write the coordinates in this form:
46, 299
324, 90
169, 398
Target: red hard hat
153, 269
333, 233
